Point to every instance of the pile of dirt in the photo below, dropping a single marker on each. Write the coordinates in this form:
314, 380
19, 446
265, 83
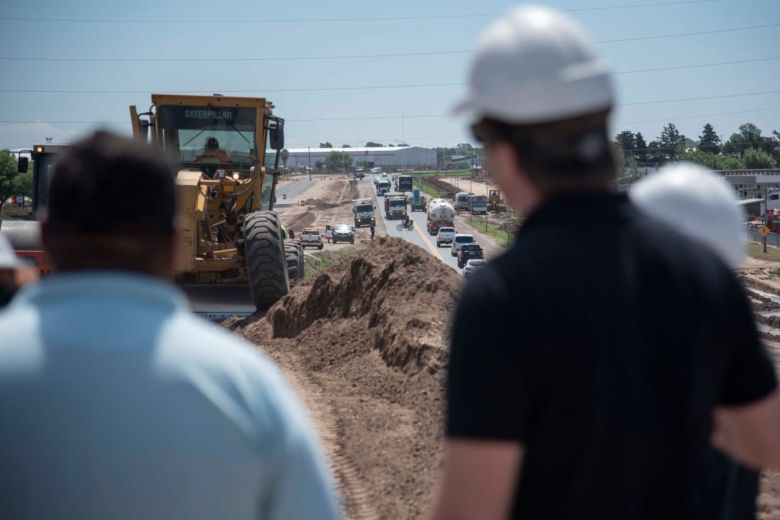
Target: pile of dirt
369, 336
321, 204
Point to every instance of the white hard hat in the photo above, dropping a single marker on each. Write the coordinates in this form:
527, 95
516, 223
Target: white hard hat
698, 203
8, 259
536, 65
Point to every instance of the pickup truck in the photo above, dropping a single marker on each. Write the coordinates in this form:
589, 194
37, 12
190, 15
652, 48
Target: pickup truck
445, 236
311, 238
459, 241
469, 252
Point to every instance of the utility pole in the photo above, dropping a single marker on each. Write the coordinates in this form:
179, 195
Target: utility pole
309, 147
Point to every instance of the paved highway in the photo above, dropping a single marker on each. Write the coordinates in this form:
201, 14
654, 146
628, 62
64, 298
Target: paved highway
418, 236
294, 188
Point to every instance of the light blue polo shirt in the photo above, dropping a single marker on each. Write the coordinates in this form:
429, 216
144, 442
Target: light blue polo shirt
117, 403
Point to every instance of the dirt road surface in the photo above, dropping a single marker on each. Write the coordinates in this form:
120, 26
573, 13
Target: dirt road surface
366, 346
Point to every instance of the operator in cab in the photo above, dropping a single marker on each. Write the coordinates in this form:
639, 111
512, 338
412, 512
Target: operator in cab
212, 153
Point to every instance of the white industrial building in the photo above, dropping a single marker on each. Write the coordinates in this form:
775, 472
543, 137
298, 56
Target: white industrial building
385, 157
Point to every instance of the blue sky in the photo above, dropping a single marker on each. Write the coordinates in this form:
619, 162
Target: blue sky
30, 117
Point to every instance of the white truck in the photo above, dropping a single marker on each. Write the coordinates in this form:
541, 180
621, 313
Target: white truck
382, 187
478, 204
462, 201
363, 212
440, 214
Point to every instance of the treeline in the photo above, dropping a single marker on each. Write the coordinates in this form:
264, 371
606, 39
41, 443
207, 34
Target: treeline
745, 149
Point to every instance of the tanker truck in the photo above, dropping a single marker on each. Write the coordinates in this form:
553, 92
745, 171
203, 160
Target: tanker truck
440, 214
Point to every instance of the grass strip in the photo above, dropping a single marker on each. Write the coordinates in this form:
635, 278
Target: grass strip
317, 263
756, 250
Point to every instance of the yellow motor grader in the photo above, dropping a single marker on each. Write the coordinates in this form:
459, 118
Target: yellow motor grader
227, 152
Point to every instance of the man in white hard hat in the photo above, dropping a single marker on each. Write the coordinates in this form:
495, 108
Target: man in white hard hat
700, 204
592, 364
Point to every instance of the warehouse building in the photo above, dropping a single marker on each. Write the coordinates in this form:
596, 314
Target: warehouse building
391, 157
753, 183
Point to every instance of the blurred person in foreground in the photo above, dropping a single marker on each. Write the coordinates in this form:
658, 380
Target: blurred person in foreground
700, 204
594, 363
117, 402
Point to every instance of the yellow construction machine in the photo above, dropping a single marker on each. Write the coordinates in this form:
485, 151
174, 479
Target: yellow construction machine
227, 152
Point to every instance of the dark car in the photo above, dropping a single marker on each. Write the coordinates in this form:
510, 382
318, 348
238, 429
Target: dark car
469, 252
343, 233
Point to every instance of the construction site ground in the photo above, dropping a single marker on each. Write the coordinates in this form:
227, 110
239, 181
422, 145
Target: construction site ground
365, 344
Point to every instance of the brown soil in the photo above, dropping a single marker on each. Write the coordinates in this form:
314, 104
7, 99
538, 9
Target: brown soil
369, 335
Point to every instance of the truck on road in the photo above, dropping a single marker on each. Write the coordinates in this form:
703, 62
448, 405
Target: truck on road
462, 201
418, 200
440, 214
382, 186
363, 212
478, 205
404, 183
395, 206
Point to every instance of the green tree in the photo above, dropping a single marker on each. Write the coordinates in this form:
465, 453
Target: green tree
709, 141
671, 142
640, 149
626, 140
285, 154
655, 155
337, 161
345, 146
713, 161
754, 158
372, 144
326, 145
749, 136
10, 183
23, 184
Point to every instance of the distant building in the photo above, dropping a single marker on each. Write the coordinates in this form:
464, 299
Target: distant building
390, 157
750, 184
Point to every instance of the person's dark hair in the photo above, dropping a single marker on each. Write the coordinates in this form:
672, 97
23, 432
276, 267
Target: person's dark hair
212, 144
112, 205
571, 154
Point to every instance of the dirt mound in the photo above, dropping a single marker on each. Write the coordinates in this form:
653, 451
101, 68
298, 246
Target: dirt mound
395, 291
322, 204
371, 334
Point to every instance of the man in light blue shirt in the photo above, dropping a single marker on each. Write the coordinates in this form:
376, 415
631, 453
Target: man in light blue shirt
115, 401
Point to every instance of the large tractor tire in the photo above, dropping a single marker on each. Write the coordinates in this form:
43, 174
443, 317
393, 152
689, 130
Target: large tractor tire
266, 262
294, 254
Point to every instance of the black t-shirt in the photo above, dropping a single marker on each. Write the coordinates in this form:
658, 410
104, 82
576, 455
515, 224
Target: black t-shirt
602, 341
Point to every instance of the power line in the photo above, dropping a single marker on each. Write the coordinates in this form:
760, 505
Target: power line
698, 65
423, 116
701, 98
695, 33
356, 87
243, 91
212, 21
702, 116
353, 56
